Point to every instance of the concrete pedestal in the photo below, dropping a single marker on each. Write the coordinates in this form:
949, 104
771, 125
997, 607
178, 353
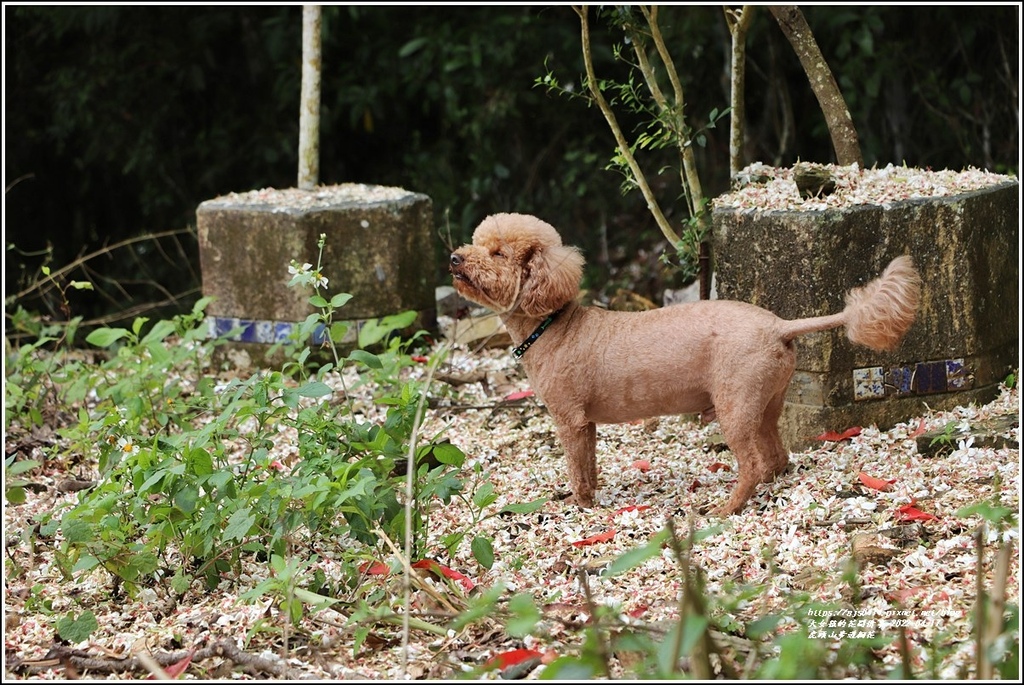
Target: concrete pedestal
378, 247
964, 342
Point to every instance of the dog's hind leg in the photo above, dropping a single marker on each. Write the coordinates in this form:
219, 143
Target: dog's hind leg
777, 457
741, 424
580, 444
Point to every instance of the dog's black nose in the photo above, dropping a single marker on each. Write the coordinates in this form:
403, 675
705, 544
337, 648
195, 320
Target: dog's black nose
456, 260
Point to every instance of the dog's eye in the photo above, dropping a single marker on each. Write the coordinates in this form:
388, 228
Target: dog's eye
499, 254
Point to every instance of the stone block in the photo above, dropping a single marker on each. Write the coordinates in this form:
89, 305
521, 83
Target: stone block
378, 247
966, 337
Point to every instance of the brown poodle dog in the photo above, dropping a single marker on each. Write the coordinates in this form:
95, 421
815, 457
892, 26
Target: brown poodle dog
730, 360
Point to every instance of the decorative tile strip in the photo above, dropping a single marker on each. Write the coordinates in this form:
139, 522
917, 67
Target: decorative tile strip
265, 332
921, 378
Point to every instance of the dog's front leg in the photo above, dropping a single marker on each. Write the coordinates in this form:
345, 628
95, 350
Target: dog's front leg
580, 445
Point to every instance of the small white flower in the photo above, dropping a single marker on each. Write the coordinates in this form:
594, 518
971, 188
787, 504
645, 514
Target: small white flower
295, 270
966, 446
127, 446
319, 280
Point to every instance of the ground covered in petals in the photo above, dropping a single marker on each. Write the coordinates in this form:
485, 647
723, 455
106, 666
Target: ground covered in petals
874, 496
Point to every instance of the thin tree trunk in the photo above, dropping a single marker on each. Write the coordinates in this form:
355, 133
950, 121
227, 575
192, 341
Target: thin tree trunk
738, 22
309, 105
620, 138
837, 116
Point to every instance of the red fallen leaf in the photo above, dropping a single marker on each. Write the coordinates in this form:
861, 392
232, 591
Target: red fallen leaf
918, 431
511, 658
374, 568
875, 483
832, 436
631, 507
908, 512
903, 595
521, 395
420, 359
593, 539
642, 465
719, 466
693, 486
175, 670
638, 611
435, 567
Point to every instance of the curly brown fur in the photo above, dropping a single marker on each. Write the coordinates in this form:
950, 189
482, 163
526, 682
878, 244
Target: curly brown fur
728, 359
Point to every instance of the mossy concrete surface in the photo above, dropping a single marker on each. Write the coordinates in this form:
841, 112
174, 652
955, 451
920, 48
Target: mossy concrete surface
380, 252
966, 337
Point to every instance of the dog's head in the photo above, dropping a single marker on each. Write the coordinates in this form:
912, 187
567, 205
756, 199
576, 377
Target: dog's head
517, 263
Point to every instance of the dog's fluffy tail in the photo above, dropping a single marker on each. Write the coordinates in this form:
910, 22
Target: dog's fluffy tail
877, 314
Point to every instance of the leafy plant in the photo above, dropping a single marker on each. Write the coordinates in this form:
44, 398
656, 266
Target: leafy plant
478, 497
75, 629
189, 479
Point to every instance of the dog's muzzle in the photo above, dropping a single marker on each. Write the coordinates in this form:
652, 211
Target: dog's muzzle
455, 263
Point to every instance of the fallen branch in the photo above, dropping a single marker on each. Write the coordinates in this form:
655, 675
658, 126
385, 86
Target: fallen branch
68, 657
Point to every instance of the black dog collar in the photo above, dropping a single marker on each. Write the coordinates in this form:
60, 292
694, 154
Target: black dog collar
521, 350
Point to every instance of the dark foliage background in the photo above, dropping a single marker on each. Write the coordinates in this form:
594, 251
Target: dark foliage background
120, 120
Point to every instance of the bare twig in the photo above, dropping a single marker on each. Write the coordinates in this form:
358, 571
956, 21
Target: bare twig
62, 655
45, 285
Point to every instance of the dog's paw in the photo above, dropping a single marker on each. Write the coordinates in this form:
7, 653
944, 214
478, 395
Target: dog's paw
570, 499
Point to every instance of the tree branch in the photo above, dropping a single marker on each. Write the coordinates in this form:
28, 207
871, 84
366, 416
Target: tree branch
620, 139
837, 116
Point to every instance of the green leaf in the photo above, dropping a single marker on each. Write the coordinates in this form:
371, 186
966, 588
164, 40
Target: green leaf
187, 498
75, 630
412, 46
358, 637
483, 551
181, 581
449, 454
760, 627
585, 667
86, 563
15, 495
635, 557
319, 302
139, 322
525, 507
200, 304
143, 563
315, 599
479, 607
200, 462
340, 300
314, 389
76, 532
238, 525
21, 467
525, 615
484, 496
374, 330
159, 331
338, 331
366, 358
992, 513
105, 337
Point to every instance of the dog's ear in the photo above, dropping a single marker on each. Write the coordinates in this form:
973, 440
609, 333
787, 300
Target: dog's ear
551, 279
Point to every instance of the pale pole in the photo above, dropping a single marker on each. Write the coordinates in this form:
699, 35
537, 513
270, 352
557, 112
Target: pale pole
309, 105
